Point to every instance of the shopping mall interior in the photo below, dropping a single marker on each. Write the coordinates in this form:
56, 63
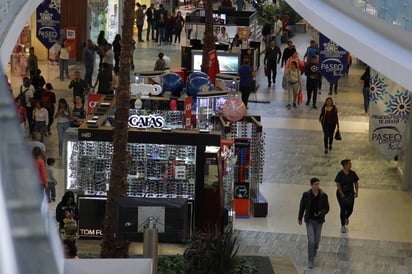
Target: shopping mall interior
379, 237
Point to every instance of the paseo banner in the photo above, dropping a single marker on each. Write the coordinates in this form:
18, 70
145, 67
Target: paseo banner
333, 60
48, 22
389, 112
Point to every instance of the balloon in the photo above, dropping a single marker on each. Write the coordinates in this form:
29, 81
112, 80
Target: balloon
234, 109
197, 74
173, 82
194, 86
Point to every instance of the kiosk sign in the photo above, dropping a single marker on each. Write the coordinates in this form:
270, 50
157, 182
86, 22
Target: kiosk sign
146, 121
333, 59
48, 22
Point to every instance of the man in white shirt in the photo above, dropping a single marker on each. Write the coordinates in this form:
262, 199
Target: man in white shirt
277, 30
108, 57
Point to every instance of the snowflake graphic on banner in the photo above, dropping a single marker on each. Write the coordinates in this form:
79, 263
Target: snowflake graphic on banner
55, 4
330, 46
399, 104
46, 19
377, 89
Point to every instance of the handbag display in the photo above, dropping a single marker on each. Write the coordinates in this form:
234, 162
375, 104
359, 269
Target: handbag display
337, 135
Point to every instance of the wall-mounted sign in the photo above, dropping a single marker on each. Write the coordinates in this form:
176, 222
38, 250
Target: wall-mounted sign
146, 121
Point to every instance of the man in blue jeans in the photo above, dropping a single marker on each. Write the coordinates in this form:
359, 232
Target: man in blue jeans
313, 207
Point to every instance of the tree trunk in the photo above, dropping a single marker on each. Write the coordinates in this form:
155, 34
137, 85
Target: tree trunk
111, 247
208, 38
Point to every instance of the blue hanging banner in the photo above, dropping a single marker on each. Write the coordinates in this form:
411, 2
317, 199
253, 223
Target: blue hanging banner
48, 22
333, 59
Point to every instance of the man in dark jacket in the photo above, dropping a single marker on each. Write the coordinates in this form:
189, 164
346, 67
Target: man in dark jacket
314, 205
313, 75
272, 58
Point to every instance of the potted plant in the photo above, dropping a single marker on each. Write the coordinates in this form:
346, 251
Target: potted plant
213, 251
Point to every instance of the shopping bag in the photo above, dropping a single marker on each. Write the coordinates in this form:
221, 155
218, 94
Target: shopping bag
285, 81
300, 96
337, 135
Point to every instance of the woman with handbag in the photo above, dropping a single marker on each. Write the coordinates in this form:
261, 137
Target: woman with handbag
347, 183
329, 120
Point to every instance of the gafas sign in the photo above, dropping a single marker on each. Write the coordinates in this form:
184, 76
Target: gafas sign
146, 121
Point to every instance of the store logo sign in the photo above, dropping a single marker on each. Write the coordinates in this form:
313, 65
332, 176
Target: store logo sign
146, 121
86, 135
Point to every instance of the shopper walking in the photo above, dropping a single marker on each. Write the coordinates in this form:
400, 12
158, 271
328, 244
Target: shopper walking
32, 64
116, 50
89, 58
41, 119
312, 80
366, 76
64, 55
314, 205
347, 183
41, 169
329, 121
139, 15
104, 80
179, 23
79, 86
277, 30
245, 83
101, 42
294, 83
49, 100
66, 208
150, 19
272, 58
26, 97
51, 179
63, 122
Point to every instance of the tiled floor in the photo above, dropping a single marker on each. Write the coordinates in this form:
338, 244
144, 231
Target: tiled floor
379, 239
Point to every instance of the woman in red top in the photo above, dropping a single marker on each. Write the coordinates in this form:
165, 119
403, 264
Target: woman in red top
41, 168
329, 120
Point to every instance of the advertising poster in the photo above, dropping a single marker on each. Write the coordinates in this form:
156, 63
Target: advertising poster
389, 111
48, 22
333, 59
213, 65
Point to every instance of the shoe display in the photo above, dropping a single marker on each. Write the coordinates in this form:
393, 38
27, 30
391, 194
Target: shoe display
343, 229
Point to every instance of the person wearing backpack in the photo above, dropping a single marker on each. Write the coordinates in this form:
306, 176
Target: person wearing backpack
26, 96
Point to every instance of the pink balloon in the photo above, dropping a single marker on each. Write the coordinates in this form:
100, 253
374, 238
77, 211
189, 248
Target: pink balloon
234, 109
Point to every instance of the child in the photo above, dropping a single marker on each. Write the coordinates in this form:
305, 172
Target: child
51, 179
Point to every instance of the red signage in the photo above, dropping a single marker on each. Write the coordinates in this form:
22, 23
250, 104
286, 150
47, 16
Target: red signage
92, 99
188, 112
213, 65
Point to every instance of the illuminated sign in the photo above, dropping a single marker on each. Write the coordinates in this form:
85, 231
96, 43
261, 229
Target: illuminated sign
146, 121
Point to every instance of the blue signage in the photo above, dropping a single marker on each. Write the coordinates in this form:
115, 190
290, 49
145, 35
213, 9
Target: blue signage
333, 60
48, 22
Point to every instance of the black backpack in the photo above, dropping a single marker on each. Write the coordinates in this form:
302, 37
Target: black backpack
22, 96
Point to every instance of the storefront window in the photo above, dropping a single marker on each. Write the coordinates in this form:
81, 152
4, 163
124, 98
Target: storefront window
104, 15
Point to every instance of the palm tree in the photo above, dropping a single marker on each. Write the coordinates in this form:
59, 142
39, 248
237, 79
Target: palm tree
208, 38
111, 247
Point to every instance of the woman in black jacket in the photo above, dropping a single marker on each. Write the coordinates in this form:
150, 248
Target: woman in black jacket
329, 120
67, 208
